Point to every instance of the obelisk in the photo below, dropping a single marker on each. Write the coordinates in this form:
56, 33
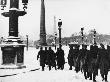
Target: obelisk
42, 25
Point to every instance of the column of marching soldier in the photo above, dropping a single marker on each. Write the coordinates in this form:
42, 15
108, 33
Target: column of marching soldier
49, 57
84, 60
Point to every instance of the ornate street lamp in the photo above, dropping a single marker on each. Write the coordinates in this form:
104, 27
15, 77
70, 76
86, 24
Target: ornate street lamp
13, 47
25, 4
59, 25
82, 35
94, 37
3, 4
55, 40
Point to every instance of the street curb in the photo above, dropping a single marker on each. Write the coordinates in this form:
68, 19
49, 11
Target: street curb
19, 73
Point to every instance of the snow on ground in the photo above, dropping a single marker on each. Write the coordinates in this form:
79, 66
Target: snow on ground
30, 74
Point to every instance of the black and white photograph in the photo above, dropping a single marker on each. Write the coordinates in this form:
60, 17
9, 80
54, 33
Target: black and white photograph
54, 40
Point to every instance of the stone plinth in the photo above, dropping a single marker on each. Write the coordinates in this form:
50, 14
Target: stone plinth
12, 52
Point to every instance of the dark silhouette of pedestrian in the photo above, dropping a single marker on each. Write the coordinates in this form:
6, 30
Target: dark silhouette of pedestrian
60, 58
42, 56
93, 62
73, 54
103, 62
51, 59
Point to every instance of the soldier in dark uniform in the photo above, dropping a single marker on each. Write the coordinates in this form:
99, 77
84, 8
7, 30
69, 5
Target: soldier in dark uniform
46, 53
51, 58
60, 58
93, 62
108, 52
76, 52
103, 62
72, 56
42, 56
85, 59
54, 57
82, 58
87, 64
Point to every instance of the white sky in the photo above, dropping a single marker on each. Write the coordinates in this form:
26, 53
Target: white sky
74, 14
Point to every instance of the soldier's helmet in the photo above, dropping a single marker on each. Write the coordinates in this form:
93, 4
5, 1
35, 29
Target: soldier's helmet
57, 49
41, 48
49, 48
84, 46
45, 48
108, 47
91, 47
101, 45
77, 46
74, 44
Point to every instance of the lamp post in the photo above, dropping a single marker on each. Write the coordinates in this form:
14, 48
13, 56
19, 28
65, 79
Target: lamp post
55, 40
94, 36
82, 35
27, 42
13, 47
2, 39
59, 25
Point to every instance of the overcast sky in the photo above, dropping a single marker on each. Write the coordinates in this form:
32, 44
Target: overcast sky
75, 14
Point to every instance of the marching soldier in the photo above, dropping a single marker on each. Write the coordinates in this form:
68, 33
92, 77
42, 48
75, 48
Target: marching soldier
108, 52
42, 56
72, 56
82, 58
60, 58
103, 62
46, 53
87, 64
50, 59
93, 62
76, 53
85, 57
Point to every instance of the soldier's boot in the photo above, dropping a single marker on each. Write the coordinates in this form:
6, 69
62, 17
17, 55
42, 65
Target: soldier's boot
62, 67
90, 75
70, 68
106, 77
42, 68
94, 78
81, 70
77, 69
102, 77
55, 68
49, 68
58, 67
85, 74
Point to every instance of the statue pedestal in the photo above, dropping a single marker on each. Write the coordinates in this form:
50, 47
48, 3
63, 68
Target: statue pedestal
12, 52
